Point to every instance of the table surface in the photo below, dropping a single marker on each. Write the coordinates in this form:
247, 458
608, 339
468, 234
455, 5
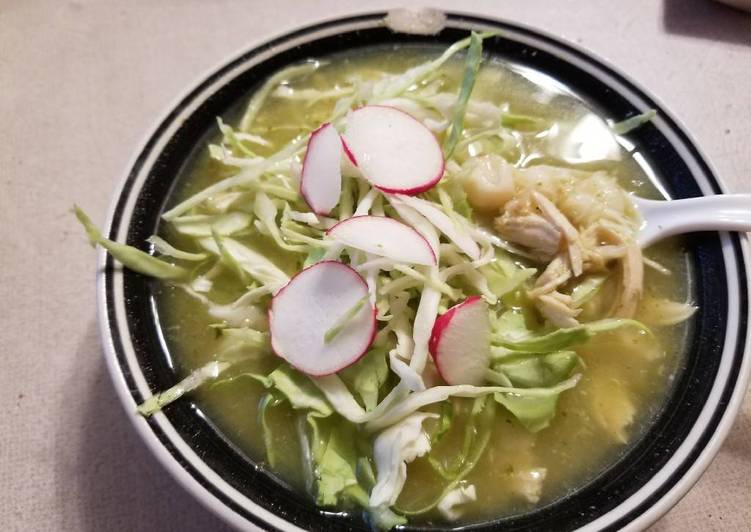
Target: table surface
80, 85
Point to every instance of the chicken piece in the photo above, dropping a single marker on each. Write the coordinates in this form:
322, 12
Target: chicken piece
612, 407
557, 273
559, 220
531, 231
611, 252
661, 312
521, 225
632, 280
597, 258
456, 497
601, 243
515, 455
558, 309
617, 243
576, 257
555, 216
488, 182
528, 483
608, 232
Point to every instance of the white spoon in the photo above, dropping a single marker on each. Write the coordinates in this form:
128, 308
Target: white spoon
724, 212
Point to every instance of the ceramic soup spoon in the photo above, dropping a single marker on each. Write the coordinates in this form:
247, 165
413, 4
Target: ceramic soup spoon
723, 212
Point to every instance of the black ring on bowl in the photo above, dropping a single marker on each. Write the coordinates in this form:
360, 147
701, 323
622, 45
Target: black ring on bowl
594, 499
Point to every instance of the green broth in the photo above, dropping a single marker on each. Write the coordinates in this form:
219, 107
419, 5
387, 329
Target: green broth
575, 447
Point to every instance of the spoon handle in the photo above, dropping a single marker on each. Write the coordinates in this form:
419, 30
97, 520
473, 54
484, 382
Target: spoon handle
723, 212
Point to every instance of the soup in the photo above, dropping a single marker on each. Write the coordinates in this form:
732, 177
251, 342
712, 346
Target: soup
461, 344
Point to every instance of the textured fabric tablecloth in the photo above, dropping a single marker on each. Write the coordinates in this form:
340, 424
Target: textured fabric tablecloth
81, 83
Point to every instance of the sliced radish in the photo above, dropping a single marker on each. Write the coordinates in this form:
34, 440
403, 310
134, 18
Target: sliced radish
460, 342
349, 164
321, 179
393, 150
304, 312
385, 237
348, 153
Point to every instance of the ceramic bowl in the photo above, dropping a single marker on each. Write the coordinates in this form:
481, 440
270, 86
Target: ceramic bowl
632, 493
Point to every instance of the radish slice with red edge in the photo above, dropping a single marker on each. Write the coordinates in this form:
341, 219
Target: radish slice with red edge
384, 237
349, 165
393, 150
321, 321
348, 153
321, 179
460, 342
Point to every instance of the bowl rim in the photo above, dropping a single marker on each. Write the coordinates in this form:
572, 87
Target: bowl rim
651, 513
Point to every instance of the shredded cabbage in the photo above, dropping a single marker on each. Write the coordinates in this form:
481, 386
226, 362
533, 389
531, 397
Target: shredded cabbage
165, 248
252, 262
447, 506
367, 376
259, 98
443, 223
564, 338
477, 436
203, 374
474, 57
626, 126
411, 379
129, 256
206, 224
392, 450
438, 394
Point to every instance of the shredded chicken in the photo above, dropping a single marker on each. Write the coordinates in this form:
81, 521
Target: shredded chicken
632, 279
619, 245
611, 252
557, 273
576, 223
656, 266
557, 218
533, 232
529, 483
575, 256
614, 409
558, 309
